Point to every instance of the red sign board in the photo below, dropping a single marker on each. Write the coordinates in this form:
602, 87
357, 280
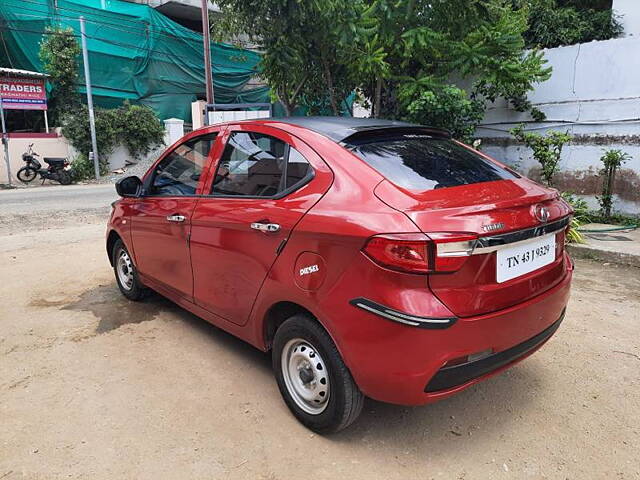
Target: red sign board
23, 93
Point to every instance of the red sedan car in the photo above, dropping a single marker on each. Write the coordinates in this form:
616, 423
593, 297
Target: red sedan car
373, 258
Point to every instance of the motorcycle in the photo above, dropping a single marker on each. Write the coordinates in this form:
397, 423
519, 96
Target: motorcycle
59, 169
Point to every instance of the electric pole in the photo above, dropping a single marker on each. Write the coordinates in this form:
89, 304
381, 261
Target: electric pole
5, 142
208, 73
92, 118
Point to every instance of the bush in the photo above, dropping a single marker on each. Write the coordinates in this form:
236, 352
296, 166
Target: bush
135, 127
612, 159
450, 108
139, 129
552, 26
83, 168
547, 149
580, 217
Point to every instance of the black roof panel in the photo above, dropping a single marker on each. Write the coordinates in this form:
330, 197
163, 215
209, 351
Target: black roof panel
340, 128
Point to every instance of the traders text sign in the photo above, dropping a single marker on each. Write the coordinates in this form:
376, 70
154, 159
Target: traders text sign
23, 93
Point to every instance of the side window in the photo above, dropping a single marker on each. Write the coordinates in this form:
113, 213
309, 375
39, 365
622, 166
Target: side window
179, 172
298, 169
252, 165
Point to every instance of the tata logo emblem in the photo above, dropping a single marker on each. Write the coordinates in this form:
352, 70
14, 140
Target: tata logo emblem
493, 227
541, 213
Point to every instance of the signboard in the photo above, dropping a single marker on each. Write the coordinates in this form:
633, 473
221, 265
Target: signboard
23, 93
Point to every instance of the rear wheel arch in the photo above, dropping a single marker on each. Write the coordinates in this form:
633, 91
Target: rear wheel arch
277, 314
281, 311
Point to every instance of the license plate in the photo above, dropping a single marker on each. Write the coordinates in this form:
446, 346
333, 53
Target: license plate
525, 257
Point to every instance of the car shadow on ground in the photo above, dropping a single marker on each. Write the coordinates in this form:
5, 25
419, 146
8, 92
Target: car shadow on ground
459, 421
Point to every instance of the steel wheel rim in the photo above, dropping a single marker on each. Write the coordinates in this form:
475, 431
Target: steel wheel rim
305, 376
124, 269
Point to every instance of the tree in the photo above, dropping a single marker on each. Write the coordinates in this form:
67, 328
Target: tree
547, 149
59, 53
302, 54
427, 44
394, 51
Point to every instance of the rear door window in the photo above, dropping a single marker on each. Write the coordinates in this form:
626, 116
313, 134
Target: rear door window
422, 162
259, 165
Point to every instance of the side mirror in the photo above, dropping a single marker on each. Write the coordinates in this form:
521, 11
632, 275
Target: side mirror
129, 187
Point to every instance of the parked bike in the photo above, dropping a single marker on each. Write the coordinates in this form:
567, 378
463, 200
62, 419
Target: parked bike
58, 170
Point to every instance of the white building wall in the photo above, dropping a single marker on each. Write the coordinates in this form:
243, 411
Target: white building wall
594, 94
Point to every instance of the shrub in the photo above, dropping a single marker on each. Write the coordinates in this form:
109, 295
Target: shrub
611, 160
450, 108
135, 127
551, 25
139, 129
580, 217
547, 149
83, 168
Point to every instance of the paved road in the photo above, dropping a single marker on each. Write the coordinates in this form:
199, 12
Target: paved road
55, 198
94, 386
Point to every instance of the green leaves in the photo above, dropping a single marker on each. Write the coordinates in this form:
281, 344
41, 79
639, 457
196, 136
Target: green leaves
59, 53
554, 23
547, 149
135, 126
393, 51
611, 160
447, 107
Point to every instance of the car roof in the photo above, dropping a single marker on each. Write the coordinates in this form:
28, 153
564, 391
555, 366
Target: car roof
339, 129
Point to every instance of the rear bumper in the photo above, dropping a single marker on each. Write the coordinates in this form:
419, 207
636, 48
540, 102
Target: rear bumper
401, 364
450, 377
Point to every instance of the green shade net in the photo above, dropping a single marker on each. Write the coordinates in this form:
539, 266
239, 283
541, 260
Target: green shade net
135, 54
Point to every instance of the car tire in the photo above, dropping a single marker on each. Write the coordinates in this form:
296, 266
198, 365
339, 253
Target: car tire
314, 381
126, 273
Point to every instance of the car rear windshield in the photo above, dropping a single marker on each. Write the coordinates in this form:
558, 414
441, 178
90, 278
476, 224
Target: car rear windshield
424, 162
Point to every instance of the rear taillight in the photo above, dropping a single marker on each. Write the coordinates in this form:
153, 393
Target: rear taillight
421, 253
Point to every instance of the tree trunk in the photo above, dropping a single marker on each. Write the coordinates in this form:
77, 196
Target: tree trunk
329, 79
285, 104
377, 103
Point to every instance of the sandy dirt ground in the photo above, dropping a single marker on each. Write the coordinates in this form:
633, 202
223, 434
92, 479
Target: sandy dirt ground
92, 386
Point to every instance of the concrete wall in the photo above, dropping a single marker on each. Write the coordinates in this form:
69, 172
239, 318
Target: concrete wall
47, 146
630, 12
594, 94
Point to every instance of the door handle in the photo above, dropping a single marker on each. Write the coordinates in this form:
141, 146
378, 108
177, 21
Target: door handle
176, 218
265, 227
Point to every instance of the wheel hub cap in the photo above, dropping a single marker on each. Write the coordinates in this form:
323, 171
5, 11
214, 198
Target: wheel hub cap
305, 376
124, 268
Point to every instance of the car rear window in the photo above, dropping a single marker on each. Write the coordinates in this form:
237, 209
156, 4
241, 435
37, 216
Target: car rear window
424, 162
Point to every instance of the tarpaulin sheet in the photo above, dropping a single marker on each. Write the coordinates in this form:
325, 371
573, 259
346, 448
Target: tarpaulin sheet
135, 54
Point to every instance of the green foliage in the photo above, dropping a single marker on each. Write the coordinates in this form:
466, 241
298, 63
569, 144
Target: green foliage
135, 127
450, 108
580, 217
547, 149
75, 127
615, 219
302, 52
139, 129
83, 168
552, 25
612, 159
59, 53
391, 50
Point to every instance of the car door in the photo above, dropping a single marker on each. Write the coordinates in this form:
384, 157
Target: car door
264, 182
161, 218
